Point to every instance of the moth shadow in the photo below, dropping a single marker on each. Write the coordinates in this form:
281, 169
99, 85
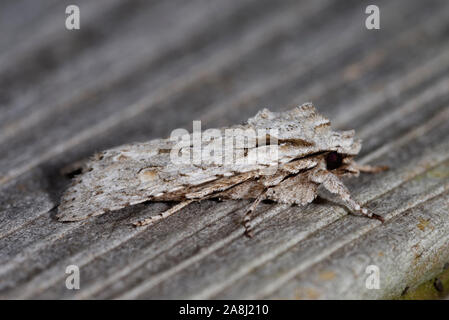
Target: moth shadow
54, 184
57, 176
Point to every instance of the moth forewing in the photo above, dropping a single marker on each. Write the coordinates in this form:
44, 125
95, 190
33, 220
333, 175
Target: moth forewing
281, 156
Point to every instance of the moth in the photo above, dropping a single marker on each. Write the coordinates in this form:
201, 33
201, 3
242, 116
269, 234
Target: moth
308, 154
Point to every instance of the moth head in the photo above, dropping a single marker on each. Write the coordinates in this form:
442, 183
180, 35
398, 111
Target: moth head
339, 163
334, 160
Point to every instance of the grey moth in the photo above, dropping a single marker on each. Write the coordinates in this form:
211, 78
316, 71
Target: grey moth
308, 154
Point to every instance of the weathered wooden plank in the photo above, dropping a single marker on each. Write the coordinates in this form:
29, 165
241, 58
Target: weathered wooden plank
207, 277
121, 46
324, 217
117, 136
166, 119
21, 151
222, 75
439, 118
18, 17
92, 117
340, 234
41, 46
24, 201
333, 87
115, 232
408, 248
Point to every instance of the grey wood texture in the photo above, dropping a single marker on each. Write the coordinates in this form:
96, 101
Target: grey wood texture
138, 69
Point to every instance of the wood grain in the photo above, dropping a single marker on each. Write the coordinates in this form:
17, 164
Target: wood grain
138, 69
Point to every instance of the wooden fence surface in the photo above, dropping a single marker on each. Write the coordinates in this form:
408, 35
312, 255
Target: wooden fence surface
136, 70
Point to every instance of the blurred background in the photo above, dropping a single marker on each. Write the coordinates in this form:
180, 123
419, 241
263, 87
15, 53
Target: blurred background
136, 70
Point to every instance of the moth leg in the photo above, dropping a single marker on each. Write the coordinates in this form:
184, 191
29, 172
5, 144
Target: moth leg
163, 215
334, 185
247, 217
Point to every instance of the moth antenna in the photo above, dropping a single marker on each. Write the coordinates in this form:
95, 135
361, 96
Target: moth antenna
368, 168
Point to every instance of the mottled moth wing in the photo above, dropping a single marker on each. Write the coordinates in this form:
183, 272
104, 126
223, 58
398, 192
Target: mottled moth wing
139, 172
302, 131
